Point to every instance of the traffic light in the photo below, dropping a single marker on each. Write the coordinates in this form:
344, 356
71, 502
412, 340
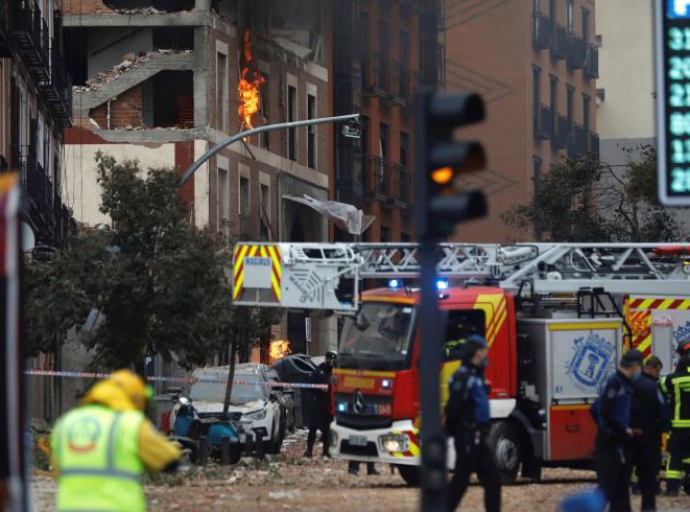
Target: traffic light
440, 162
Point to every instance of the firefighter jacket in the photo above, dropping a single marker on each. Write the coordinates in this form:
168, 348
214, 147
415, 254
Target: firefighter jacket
468, 401
677, 389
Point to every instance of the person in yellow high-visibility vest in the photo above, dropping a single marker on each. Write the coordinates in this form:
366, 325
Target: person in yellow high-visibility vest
100, 449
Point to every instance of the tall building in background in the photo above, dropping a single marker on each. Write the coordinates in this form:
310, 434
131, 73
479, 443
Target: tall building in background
35, 107
161, 82
383, 50
536, 64
625, 90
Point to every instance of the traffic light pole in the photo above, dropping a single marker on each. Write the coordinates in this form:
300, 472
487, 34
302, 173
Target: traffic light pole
433, 439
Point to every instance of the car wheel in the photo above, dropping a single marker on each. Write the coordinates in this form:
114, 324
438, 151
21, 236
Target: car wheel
504, 443
411, 474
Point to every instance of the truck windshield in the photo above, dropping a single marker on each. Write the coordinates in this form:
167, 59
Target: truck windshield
378, 337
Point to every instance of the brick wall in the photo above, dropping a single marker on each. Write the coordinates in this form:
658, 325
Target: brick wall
125, 111
85, 7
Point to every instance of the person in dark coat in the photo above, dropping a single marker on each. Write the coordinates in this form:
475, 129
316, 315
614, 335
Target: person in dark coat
321, 405
649, 415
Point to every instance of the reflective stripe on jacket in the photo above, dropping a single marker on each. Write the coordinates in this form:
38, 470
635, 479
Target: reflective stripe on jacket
96, 451
677, 389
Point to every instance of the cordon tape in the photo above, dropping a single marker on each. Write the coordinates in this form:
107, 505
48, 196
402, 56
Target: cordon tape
182, 380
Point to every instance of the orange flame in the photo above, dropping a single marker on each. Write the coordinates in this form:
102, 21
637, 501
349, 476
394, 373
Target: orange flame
248, 88
279, 349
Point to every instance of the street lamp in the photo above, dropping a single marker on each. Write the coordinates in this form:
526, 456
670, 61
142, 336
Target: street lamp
262, 129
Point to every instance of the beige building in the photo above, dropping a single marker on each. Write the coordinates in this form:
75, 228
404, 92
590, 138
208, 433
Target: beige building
625, 89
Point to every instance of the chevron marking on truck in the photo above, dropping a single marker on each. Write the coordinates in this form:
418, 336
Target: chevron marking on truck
413, 447
495, 314
640, 319
243, 251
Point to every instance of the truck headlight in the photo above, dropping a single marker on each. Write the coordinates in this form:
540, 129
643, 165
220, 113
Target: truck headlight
393, 443
256, 415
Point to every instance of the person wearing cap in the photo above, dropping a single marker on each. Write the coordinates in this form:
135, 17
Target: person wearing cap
676, 387
649, 414
611, 412
468, 420
101, 448
321, 417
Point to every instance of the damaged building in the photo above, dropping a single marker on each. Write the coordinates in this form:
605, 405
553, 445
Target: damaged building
163, 82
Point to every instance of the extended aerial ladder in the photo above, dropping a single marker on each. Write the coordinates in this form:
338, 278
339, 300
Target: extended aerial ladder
309, 275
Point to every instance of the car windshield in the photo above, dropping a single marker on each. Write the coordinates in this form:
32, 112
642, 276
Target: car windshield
241, 393
378, 337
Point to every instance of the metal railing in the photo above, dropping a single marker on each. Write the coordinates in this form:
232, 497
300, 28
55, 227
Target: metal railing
31, 35
402, 186
577, 52
542, 31
559, 48
591, 69
375, 73
376, 176
543, 122
58, 89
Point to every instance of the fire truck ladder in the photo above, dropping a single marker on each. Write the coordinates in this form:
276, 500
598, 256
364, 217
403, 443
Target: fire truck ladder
309, 274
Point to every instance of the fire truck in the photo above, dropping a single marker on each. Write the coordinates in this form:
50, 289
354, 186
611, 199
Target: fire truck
556, 316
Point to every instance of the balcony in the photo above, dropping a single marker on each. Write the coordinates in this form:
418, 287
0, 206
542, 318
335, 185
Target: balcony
577, 141
593, 148
377, 179
31, 36
398, 82
543, 122
5, 39
591, 69
577, 52
375, 75
57, 90
559, 48
542, 31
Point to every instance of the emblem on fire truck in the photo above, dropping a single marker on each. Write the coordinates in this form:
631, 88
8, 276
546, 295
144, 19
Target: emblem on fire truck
358, 402
591, 361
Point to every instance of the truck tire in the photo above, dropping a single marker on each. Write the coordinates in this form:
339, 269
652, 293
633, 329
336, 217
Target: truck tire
411, 475
504, 443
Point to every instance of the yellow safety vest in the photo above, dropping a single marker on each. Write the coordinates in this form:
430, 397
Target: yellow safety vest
96, 451
677, 388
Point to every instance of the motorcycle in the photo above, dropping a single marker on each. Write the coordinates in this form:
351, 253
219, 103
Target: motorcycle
189, 428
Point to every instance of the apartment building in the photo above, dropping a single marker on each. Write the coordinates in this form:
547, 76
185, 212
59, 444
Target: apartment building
35, 107
163, 82
383, 51
536, 64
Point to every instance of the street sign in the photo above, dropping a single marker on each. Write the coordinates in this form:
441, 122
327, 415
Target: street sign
672, 42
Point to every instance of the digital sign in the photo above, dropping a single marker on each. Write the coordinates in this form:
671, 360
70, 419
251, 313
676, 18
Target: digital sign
672, 41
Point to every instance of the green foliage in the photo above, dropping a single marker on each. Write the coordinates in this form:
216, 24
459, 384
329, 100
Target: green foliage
157, 282
584, 200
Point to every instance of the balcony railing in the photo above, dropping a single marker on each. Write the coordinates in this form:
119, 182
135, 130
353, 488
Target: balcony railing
377, 182
594, 145
591, 69
375, 74
577, 52
559, 48
542, 31
31, 36
57, 90
560, 138
543, 122
577, 141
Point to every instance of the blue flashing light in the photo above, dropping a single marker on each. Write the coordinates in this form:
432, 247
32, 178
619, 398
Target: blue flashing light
394, 283
442, 284
386, 383
342, 406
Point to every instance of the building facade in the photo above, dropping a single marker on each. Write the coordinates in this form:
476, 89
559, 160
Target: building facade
161, 82
383, 51
625, 89
535, 64
35, 107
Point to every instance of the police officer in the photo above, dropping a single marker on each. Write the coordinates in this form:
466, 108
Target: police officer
321, 405
648, 415
468, 421
100, 448
677, 389
612, 414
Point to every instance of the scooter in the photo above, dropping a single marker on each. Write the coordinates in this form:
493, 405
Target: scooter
189, 430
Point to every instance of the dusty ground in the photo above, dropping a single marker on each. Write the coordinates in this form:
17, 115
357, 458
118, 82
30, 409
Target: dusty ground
291, 482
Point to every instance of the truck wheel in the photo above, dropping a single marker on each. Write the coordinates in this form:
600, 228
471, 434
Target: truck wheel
504, 443
411, 475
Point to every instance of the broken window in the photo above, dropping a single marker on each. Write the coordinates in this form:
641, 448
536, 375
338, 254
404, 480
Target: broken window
173, 99
264, 137
76, 46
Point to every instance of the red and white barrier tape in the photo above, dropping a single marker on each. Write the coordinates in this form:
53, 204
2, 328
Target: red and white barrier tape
182, 380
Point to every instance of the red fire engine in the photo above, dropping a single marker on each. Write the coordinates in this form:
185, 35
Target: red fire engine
556, 317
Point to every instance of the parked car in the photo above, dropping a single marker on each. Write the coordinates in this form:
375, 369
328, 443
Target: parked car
254, 406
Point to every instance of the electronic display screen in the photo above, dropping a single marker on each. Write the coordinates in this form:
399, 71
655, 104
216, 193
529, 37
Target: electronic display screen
673, 96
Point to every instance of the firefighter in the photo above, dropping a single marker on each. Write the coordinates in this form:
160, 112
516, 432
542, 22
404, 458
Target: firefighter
611, 412
648, 414
468, 421
677, 389
100, 449
321, 405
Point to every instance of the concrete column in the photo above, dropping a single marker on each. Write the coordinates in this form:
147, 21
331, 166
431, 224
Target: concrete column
202, 5
203, 53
